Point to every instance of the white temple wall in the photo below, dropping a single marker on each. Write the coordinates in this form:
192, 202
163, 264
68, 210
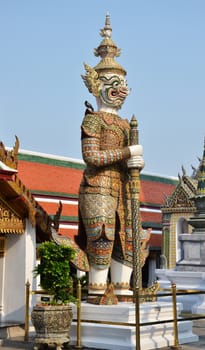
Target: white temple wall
2, 260
20, 257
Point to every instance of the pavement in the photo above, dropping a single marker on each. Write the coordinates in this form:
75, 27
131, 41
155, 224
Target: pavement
18, 343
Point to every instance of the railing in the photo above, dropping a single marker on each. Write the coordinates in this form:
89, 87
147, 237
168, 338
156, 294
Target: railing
173, 292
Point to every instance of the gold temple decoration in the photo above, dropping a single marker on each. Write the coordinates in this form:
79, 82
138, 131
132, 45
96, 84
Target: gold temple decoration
9, 221
16, 201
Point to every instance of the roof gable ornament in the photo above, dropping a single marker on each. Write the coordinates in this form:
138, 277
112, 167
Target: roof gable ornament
10, 157
17, 201
181, 198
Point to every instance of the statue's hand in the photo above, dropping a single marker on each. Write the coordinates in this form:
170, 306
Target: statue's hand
136, 162
135, 150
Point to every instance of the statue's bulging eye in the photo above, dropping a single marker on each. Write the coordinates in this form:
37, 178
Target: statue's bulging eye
116, 84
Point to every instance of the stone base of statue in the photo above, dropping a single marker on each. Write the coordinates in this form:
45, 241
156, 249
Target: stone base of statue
105, 334
185, 280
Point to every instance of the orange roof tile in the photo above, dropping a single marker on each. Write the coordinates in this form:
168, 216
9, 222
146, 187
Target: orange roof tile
44, 177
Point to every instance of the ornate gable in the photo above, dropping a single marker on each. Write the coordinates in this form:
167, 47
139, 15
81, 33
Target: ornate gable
182, 197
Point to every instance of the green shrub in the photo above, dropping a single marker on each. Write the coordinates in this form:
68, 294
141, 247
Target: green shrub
54, 271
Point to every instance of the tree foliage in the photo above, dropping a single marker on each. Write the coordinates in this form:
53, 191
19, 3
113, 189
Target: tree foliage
54, 271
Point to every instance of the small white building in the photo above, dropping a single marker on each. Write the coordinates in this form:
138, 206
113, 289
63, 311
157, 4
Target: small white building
23, 223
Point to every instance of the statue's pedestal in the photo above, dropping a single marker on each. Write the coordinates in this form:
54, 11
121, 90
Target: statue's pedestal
185, 280
193, 252
111, 337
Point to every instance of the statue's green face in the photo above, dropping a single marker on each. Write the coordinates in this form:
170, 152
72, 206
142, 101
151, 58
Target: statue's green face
113, 90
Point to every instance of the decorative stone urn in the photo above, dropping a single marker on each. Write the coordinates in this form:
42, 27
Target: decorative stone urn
52, 324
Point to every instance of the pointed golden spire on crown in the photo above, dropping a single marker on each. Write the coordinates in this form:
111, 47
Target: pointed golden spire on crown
107, 50
106, 32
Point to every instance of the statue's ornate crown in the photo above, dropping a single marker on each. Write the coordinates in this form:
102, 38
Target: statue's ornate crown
107, 50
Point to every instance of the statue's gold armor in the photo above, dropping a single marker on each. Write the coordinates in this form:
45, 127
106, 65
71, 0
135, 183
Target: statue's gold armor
104, 198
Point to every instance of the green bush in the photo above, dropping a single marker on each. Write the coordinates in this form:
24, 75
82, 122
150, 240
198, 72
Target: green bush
54, 271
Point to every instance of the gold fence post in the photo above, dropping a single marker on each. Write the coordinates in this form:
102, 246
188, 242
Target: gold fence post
137, 318
174, 306
26, 330
78, 345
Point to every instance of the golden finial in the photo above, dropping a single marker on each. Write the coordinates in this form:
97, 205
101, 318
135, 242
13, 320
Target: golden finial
107, 50
106, 32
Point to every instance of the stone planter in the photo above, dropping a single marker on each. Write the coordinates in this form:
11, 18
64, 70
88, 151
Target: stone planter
52, 324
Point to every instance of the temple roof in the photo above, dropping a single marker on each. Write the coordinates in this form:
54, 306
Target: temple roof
16, 201
189, 189
181, 197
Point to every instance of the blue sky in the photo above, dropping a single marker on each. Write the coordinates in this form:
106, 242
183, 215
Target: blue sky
44, 44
